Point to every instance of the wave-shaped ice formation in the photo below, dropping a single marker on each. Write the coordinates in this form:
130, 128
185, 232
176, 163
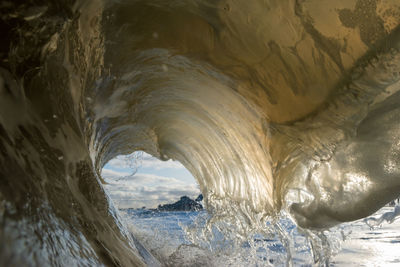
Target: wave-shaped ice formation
271, 105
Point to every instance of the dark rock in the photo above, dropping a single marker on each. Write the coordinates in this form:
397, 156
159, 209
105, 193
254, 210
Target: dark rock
199, 198
184, 204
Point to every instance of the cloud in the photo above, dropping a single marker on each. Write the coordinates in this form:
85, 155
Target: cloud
150, 162
112, 174
144, 189
132, 161
148, 190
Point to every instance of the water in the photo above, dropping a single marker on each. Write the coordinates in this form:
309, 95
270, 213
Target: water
367, 246
357, 243
278, 108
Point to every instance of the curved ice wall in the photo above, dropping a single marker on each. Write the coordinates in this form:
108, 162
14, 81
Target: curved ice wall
270, 104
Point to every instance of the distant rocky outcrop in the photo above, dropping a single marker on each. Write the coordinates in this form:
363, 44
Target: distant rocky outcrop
184, 204
199, 198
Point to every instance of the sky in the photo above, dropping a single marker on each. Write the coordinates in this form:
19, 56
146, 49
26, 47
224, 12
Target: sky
153, 181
